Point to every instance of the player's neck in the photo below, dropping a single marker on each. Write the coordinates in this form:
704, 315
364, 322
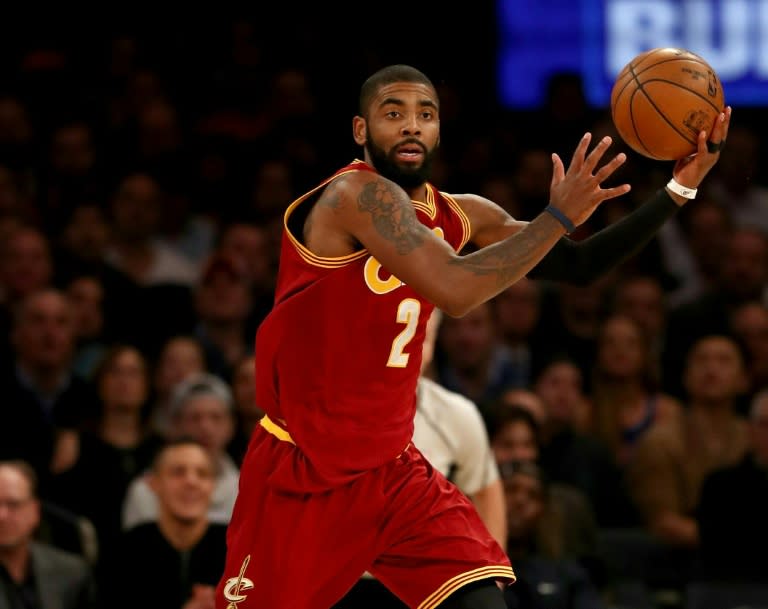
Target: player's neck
417, 194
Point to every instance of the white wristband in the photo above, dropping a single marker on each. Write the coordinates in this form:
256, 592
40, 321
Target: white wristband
679, 189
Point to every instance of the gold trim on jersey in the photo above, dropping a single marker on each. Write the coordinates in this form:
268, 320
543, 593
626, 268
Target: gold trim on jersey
308, 256
465, 224
277, 431
429, 207
453, 584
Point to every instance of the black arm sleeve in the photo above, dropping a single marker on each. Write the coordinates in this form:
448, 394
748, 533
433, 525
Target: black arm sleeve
581, 262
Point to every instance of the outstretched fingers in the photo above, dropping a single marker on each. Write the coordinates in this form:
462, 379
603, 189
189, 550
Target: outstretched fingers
606, 170
558, 170
597, 153
615, 191
577, 161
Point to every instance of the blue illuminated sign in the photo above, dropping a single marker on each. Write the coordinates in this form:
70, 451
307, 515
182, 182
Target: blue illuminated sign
596, 38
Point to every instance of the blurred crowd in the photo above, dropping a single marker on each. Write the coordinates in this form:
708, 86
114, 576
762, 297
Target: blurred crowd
142, 184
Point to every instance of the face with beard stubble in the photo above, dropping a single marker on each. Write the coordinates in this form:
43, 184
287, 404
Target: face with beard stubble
405, 176
401, 132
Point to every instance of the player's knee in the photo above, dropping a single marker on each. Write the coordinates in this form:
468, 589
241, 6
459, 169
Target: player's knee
482, 595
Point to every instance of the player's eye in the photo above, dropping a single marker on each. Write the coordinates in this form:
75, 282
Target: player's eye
392, 114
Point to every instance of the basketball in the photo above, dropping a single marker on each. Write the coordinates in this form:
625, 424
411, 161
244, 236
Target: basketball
662, 99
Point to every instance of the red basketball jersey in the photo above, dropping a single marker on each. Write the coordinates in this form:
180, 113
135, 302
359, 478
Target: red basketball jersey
339, 355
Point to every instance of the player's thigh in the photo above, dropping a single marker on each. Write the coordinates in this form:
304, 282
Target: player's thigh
297, 551
437, 543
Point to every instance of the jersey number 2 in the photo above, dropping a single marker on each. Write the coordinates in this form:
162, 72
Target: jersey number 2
407, 313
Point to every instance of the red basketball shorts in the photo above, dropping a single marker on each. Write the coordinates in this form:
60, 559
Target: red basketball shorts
403, 522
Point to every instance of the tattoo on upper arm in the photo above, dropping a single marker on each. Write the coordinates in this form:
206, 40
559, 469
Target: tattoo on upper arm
394, 220
330, 197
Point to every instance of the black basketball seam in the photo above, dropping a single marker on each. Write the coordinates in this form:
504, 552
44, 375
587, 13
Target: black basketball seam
638, 87
677, 84
631, 70
634, 127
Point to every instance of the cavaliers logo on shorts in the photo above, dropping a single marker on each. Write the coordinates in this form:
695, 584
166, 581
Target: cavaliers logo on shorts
235, 585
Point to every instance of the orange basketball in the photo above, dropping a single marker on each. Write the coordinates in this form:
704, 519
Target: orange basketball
662, 99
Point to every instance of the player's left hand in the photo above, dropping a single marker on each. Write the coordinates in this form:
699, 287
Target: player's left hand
691, 170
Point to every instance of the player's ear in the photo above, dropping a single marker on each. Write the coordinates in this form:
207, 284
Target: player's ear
359, 130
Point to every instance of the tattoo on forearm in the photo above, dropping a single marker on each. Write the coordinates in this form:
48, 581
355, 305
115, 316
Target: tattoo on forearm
514, 257
393, 220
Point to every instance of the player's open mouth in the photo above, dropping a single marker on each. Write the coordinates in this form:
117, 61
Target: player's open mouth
410, 152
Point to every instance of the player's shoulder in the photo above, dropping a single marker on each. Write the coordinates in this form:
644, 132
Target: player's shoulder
351, 181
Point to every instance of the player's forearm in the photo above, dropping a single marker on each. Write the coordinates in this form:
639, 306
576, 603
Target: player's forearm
492, 269
489, 502
582, 262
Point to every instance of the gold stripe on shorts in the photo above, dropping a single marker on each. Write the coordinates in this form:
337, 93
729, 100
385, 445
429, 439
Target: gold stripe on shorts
277, 431
453, 584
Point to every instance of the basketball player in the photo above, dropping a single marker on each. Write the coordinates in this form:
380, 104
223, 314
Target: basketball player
331, 485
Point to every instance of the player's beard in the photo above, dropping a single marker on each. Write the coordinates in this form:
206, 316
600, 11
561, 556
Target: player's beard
405, 177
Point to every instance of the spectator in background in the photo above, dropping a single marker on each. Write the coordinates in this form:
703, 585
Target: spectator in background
176, 560
732, 510
573, 314
86, 295
736, 182
44, 401
26, 264
626, 400
135, 248
15, 200
115, 446
522, 398
671, 461
17, 136
71, 175
642, 298
35, 575
247, 411
547, 577
517, 311
692, 247
180, 357
471, 358
568, 453
515, 437
742, 277
223, 300
749, 324
201, 409
250, 243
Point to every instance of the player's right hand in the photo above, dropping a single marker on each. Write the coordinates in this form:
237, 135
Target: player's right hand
690, 171
578, 191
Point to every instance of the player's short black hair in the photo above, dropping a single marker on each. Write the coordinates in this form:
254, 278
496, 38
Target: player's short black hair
387, 76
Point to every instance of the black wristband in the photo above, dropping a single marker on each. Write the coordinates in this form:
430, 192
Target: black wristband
560, 217
581, 262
